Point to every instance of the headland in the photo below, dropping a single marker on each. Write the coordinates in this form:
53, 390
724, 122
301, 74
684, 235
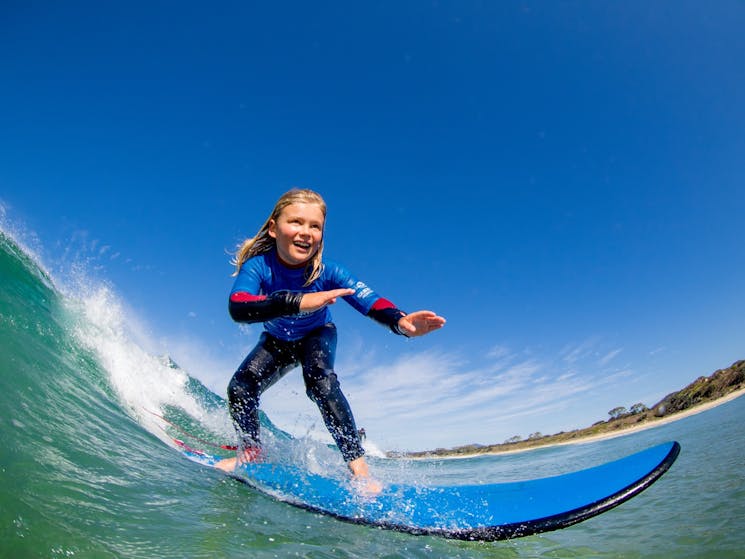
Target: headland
704, 393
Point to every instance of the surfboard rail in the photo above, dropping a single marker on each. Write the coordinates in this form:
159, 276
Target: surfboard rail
470, 512
568, 518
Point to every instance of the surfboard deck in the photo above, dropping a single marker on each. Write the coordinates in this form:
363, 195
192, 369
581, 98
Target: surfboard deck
486, 512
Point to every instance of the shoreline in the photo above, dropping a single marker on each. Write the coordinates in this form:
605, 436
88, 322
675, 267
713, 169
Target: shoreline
601, 436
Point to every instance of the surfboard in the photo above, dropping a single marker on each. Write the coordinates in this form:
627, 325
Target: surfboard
486, 512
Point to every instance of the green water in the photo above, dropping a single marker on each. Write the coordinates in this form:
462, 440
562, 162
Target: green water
87, 470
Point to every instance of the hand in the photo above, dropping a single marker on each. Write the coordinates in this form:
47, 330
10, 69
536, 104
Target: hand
314, 301
420, 323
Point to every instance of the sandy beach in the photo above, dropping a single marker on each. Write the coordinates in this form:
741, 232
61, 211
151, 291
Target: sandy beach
658, 422
611, 435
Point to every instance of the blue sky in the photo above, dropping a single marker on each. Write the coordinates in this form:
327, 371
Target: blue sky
563, 182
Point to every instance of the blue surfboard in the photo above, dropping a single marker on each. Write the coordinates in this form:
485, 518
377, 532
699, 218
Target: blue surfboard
467, 512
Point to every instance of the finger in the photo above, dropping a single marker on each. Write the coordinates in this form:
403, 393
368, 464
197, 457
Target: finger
422, 315
425, 316
424, 325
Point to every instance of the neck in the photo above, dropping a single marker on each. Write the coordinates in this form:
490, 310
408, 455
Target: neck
292, 266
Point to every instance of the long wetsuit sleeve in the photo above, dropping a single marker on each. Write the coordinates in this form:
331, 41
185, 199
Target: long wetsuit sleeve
252, 300
364, 299
246, 307
384, 312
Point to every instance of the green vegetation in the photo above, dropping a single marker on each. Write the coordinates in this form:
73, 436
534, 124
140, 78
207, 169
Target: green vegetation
701, 391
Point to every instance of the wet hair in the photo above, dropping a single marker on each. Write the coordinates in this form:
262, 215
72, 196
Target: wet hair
263, 242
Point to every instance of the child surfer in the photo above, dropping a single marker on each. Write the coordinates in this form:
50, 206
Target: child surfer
283, 281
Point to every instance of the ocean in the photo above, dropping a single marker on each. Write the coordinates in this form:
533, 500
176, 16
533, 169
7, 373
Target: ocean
89, 467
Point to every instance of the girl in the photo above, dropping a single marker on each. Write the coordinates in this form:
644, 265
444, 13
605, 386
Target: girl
283, 282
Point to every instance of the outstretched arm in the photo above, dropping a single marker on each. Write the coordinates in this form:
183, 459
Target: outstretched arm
319, 299
247, 307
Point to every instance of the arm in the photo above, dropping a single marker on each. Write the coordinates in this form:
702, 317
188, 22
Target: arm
248, 302
246, 307
363, 299
384, 312
369, 303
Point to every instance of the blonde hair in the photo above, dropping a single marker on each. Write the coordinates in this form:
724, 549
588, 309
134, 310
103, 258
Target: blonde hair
263, 242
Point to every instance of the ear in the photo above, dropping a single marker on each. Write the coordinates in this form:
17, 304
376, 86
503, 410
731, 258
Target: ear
272, 229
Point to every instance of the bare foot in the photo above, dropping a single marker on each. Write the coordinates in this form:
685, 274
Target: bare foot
367, 486
247, 455
227, 464
362, 480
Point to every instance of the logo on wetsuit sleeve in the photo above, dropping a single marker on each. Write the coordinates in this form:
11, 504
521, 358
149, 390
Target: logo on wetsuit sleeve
362, 291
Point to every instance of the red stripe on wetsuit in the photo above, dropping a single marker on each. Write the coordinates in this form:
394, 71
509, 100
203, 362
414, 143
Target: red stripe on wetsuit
247, 307
243, 297
386, 313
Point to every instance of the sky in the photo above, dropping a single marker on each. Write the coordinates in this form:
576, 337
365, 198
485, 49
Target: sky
562, 181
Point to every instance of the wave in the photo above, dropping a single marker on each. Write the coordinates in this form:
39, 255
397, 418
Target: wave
90, 340
89, 416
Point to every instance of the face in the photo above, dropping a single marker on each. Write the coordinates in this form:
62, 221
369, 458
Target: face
298, 231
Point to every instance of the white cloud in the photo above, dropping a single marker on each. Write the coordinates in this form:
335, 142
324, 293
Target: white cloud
432, 399
429, 399
608, 357
572, 353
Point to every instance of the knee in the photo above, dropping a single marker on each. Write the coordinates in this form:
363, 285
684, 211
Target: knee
321, 384
240, 391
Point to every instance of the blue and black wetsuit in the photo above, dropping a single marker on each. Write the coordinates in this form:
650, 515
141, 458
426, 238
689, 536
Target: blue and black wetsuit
268, 291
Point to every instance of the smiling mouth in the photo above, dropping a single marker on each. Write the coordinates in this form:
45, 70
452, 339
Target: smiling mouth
301, 245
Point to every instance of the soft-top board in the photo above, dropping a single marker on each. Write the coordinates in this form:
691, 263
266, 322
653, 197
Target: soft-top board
468, 512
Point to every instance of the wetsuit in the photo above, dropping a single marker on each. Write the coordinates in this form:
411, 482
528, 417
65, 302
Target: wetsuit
268, 291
